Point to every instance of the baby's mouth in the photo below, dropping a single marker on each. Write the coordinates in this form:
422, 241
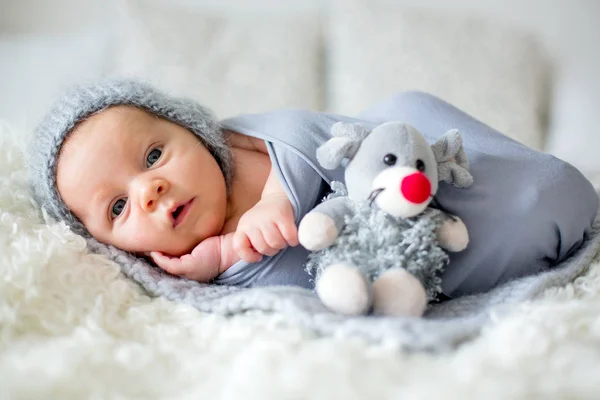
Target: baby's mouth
177, 212
180, 212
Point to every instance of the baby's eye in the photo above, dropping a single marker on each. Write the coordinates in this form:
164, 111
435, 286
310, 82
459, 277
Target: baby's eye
117, 208
153, 157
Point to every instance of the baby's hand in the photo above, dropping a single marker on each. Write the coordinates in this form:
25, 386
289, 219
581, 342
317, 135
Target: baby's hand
208, 259
266, 228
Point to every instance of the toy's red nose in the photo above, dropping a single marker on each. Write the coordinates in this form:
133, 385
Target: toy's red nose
415, 188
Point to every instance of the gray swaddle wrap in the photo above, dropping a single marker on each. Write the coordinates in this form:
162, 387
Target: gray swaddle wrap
521, 211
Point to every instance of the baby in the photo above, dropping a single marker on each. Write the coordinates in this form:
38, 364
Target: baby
219, 202
148, 186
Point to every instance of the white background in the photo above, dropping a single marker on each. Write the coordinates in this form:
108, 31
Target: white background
47, 44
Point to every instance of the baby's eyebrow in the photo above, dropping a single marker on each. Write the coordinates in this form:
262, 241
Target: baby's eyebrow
93, 213
98, 199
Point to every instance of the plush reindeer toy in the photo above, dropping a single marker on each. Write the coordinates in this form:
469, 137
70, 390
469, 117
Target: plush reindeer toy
378, 244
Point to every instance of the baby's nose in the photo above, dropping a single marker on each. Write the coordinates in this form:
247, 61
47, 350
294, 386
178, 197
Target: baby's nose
415, 188
152, 193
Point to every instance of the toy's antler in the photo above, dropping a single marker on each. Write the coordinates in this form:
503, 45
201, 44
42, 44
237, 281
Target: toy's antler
453, 166
344, 144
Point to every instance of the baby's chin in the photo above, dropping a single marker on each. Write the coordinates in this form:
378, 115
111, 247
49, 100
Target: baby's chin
173, 252
148, 254
179, 246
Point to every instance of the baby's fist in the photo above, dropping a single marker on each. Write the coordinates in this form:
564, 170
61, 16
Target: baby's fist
266, 228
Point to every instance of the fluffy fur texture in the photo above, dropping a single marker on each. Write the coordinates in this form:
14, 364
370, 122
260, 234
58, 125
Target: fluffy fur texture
81, 102
72, 326
374, 241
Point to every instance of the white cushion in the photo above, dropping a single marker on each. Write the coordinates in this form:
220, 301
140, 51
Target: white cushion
232, 64
495, 74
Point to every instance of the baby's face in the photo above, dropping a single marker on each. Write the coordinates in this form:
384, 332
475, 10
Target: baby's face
141, 183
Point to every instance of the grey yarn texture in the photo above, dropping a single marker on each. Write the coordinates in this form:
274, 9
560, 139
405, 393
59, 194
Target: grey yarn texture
374, 242
81, 102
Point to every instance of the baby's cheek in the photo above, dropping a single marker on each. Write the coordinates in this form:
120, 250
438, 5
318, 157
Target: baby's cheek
139, 239
165, 242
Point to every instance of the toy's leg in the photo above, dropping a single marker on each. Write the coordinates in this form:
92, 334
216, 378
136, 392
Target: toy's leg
398, 293
526, 210
344, 289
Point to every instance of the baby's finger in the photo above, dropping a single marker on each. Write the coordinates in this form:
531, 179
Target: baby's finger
289, 231
259, 243
273, 237
249, 255
172, 265
243, 248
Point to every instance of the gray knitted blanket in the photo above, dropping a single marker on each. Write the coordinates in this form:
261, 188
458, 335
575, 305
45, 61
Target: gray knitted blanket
445, 326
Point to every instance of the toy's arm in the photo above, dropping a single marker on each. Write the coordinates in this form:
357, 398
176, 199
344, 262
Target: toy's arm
452, 234
320, 227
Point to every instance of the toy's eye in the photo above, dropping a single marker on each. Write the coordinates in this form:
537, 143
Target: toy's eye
420, 165
390, 159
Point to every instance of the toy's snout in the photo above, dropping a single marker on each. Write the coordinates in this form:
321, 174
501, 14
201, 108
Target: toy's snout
415, 188
401, 191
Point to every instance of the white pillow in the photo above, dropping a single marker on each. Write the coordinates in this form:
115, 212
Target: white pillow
232, 64
495, 74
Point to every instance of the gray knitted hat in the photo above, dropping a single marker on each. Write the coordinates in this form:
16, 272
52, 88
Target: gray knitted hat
81, 102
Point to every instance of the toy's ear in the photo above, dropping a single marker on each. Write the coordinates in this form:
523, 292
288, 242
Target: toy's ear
344, 144
453, 166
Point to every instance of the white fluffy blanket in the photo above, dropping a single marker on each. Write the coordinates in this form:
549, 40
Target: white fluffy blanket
71, 326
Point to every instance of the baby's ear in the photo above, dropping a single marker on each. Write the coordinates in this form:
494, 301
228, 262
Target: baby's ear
344, 144
453, 166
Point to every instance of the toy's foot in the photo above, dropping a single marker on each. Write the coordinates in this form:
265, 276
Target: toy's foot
398, 293
344, 289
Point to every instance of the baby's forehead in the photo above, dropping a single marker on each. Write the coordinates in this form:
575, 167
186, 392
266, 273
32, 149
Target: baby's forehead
127, 113
121, 118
